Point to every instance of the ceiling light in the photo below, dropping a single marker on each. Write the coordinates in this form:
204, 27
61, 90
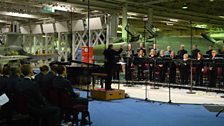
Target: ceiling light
211, 0
174, 20
203, 26
3, 21
170, 24
132, 13
221, 16
15, 14
95, 11
184, 6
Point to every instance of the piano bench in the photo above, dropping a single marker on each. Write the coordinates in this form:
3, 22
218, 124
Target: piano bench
100, 75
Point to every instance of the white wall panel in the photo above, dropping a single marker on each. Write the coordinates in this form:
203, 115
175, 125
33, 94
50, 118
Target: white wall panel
78, 25
36, 29
61, 27
25, 29
48, 28
95, 23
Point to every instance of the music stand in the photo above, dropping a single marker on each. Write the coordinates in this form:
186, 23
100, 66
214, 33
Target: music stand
154, 73
169, 60
119, 63
219, 112
141, 61
191, 92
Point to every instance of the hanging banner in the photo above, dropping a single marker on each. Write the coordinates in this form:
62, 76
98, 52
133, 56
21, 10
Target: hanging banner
79, 55
87, 54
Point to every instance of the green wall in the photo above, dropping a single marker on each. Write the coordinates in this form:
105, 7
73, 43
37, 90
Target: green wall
175, 42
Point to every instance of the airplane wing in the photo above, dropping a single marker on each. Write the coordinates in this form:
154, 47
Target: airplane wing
207, 37
38, 57
10, 58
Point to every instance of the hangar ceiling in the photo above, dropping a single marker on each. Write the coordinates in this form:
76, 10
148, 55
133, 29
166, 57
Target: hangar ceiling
168, 15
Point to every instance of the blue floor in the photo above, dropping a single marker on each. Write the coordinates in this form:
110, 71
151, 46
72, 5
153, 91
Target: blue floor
128, 112
132, 112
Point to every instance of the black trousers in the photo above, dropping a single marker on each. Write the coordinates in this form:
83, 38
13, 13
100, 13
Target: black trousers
152, 73
172, 75
49, 114
162, 74
128, 73
184, 76
68, 113
199, 77
109, 69
212, 75
140, 72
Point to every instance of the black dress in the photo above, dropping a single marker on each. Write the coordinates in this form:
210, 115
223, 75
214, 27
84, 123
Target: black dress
162, 67
199, 65
184, 71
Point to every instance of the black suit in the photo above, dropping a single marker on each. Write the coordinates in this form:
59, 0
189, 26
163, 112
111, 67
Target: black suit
1, 84
61, 83
13, 80
36, 104
209, 53
140, 63
40, 79
7, 109
194, 53
181, 53
46, 82
162, 68
4, 83
110, 65
184, 71
212, 73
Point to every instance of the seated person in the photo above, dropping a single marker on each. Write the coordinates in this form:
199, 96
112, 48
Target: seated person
60, 82
36, 104
14, 78
5, 78
47, 80
39, 79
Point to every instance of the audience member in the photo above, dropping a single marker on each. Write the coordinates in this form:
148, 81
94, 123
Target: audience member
36, 104
60, 82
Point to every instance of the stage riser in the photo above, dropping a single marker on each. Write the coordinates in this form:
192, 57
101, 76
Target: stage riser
107, 94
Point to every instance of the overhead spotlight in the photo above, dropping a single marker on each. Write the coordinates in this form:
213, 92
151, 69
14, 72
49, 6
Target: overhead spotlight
184, 6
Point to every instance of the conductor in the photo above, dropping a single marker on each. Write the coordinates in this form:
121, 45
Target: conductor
110, 64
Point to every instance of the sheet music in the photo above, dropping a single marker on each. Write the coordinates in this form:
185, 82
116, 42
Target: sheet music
3, 99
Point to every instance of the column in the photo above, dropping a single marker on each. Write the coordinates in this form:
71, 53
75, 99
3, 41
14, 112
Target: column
112, 25
150, 16
124, 21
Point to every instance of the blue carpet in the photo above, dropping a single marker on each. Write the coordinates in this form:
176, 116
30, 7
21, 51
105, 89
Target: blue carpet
128, 112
